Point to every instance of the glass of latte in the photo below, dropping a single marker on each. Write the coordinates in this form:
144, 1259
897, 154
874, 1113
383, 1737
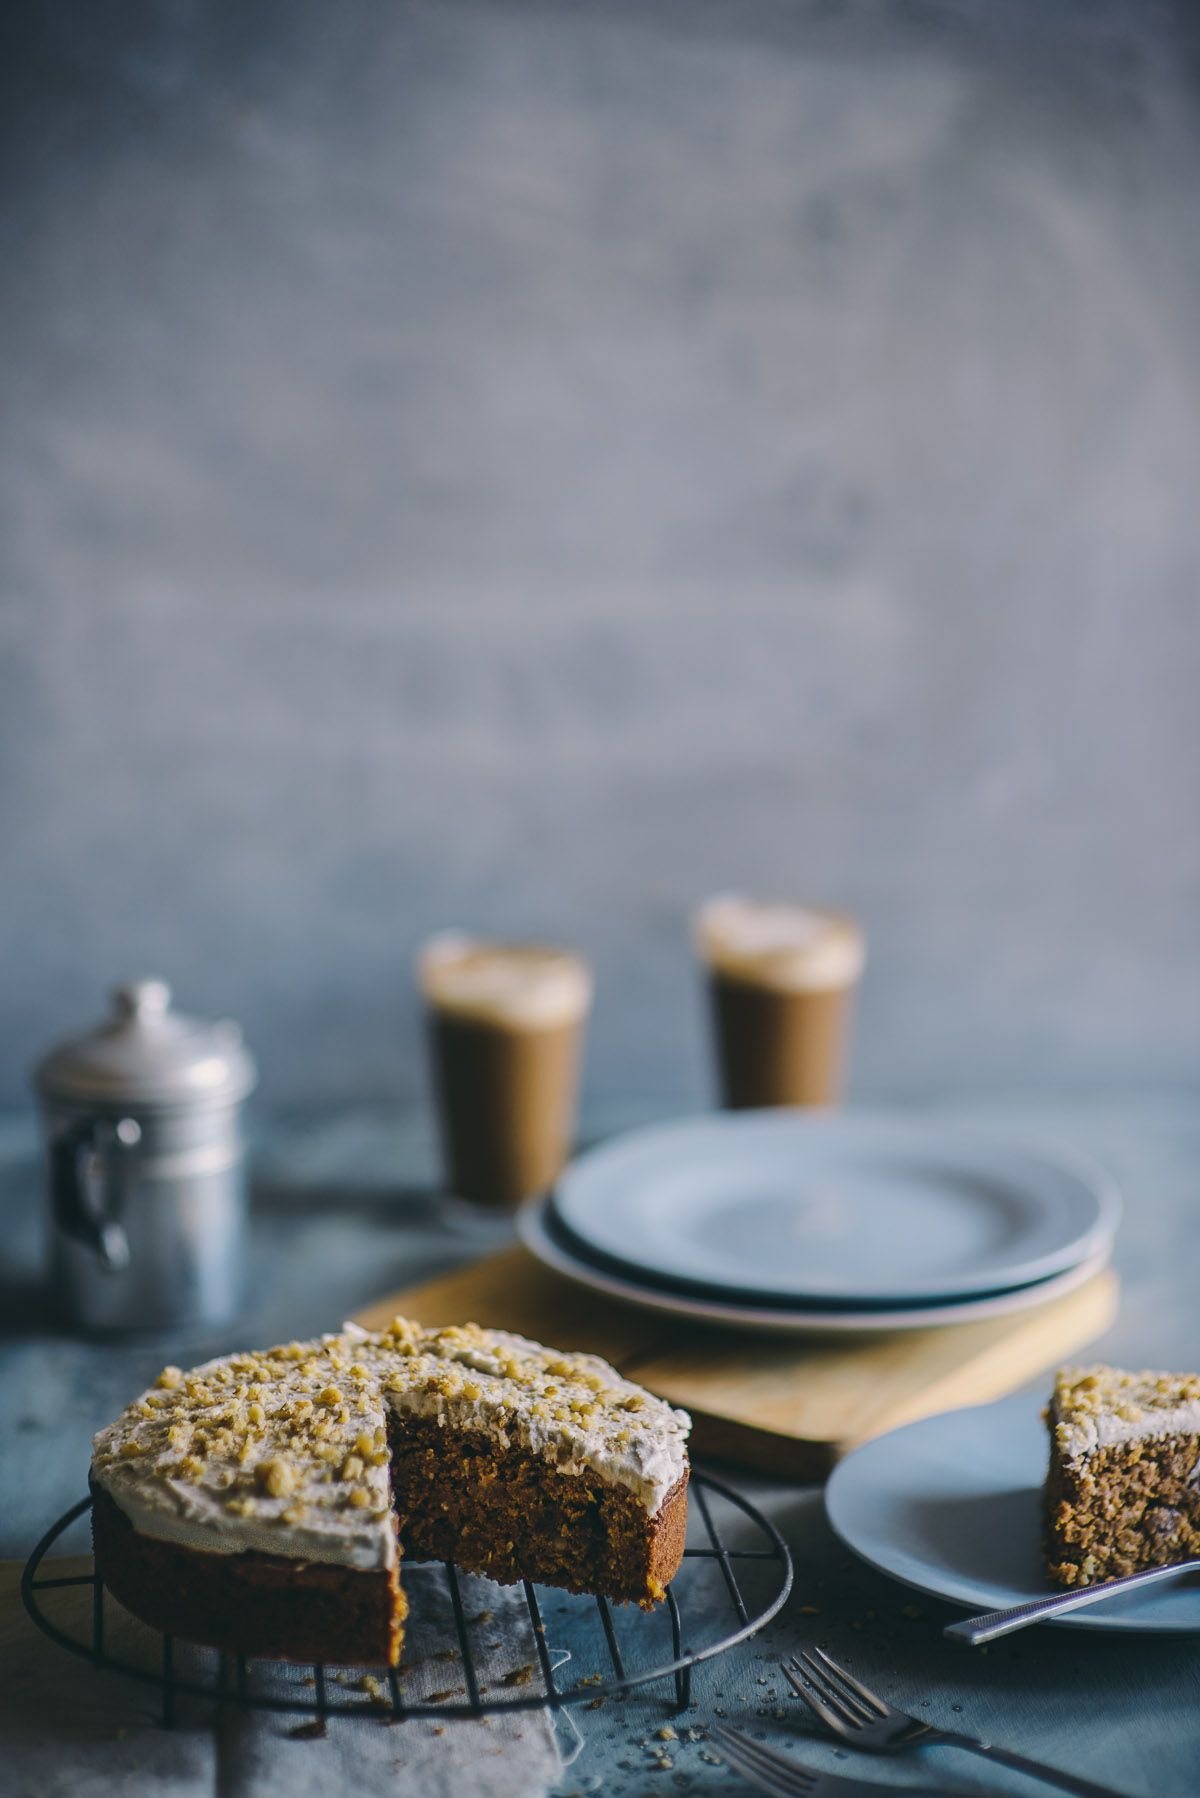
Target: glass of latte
506, 1024
782, 980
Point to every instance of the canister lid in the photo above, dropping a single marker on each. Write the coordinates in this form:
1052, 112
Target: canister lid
147, 1054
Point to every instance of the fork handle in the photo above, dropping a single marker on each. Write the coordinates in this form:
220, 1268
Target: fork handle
1021, 1763
990, 1624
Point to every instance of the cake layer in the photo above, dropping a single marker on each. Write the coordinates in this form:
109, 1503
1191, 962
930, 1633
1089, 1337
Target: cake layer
250, 1603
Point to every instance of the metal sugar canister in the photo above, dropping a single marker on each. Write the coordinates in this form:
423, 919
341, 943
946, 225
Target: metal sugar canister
146, 1165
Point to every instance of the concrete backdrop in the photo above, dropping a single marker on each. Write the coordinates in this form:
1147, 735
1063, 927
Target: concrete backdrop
527, 465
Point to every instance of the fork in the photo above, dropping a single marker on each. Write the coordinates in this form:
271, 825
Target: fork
783, 1777
855, 1713
990, 1624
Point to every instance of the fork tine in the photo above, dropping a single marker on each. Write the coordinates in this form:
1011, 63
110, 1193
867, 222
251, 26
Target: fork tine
832, 1719
788, 1775
738, 1763
864, 1692
852, 1709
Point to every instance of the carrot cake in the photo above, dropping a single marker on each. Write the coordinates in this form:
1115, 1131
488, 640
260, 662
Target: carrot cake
1122, 1491
261, 1502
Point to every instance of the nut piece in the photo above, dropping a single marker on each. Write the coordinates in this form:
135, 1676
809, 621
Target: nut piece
275, 1477
170, 1376
329, 1396
351, 1467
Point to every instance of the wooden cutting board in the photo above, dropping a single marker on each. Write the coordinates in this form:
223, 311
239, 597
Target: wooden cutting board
786, 1405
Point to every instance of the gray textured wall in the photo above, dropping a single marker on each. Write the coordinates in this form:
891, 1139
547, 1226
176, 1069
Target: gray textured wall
527, 465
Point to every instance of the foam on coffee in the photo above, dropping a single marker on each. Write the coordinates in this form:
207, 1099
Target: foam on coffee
512, 985
782, 946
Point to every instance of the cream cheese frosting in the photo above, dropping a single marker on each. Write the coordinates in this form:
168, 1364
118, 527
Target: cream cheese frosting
1104, 1407
286, 1451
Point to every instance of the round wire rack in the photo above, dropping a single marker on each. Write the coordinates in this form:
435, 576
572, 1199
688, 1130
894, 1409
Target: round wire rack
743, 1583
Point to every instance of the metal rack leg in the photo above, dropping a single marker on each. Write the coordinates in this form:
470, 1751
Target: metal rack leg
683, 1675
464, 1639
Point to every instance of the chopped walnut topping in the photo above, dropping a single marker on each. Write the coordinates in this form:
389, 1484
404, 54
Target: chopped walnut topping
276, 1477
170, 1376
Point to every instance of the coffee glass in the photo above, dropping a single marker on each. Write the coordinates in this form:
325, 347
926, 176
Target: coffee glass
782, 981
506, 1024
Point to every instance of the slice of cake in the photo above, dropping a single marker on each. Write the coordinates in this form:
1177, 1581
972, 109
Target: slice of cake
260, 1503
1122, 1491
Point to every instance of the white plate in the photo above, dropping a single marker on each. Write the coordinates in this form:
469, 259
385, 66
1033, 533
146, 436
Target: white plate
790, 1207
536, 1228
951, 1505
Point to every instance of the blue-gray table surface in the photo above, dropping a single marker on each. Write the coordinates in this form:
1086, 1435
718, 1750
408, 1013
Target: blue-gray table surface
346, 1208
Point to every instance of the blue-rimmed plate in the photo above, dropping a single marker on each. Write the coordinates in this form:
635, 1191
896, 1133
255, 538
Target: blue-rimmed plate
792, 1207
539, 1231
952, 1506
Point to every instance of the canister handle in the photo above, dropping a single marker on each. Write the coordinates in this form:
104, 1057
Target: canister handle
77, 1162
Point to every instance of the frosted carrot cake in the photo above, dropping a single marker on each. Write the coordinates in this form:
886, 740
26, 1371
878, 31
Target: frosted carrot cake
261, 1503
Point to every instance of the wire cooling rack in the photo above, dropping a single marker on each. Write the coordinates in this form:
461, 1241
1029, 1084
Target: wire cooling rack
759, 1558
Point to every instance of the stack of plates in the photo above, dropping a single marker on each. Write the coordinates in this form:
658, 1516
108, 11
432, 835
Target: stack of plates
813, 1224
